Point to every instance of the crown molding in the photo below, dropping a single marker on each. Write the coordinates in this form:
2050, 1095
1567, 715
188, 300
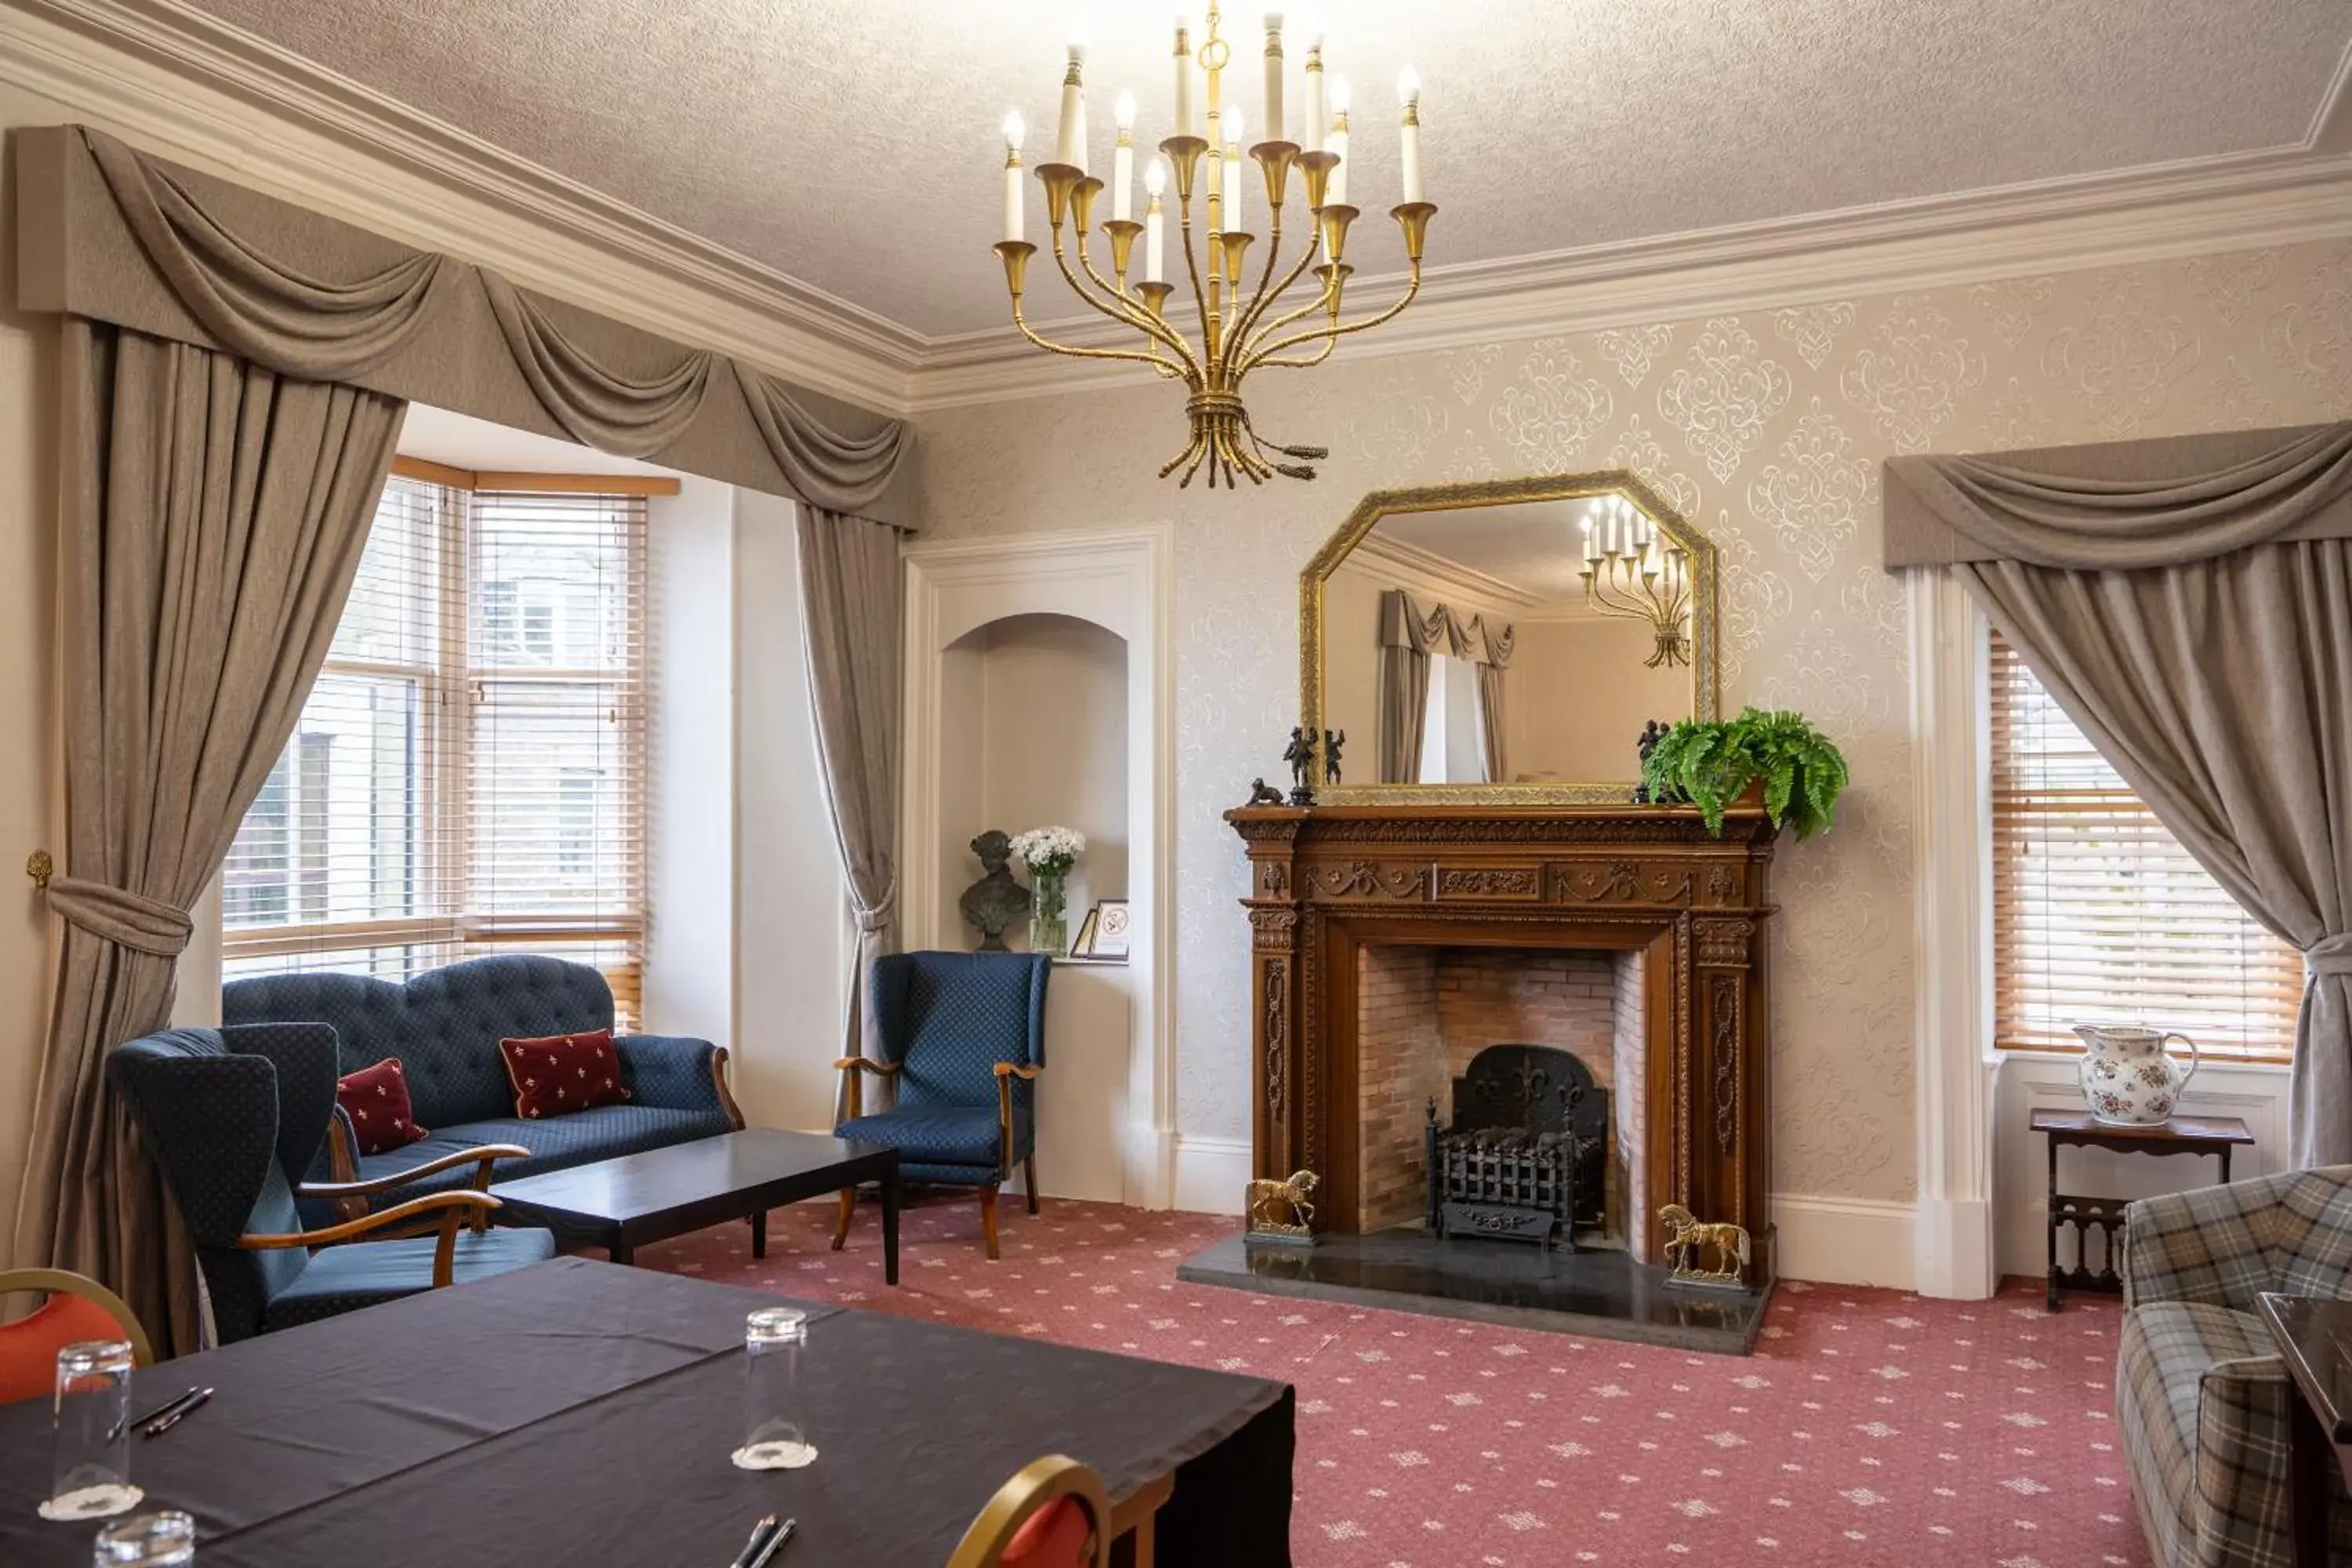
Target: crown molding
193, 89
2240, 202
1431, 571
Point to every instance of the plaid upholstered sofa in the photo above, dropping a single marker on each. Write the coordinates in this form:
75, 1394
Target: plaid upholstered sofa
445, 1025
2200, 1397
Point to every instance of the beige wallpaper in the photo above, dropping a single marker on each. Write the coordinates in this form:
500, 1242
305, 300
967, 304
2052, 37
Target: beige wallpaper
1766, 429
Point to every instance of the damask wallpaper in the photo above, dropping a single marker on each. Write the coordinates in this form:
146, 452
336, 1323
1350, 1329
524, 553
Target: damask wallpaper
1766, 429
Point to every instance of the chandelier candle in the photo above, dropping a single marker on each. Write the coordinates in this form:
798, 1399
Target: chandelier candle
1014, 131
1122, 159
1155, 179
1338, 146
1272, 323
1272, 77
1311, 139
1070, 142
1183, 81
1409, 133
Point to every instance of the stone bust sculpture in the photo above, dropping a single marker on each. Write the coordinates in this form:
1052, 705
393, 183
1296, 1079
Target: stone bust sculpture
996, 900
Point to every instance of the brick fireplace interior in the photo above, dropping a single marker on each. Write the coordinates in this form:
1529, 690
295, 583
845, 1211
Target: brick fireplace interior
1423, 1012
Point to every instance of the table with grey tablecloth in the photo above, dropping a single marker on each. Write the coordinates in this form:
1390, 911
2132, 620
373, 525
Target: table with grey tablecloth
579, 1412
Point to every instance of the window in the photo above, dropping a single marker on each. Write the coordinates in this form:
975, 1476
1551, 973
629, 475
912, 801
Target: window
468, 773
2099, 915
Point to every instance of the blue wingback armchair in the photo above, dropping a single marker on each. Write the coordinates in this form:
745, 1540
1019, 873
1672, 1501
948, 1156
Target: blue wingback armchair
962, 1036
444, 1025
234, 1117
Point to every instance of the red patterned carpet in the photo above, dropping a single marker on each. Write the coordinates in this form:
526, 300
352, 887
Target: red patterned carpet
1870, 1428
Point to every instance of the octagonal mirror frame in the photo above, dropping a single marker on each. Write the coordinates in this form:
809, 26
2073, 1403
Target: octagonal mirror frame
1707, 702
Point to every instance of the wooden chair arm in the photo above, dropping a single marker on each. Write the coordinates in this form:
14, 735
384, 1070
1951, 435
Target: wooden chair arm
853, 1087
484, 1153
458, 1204
1006, 1073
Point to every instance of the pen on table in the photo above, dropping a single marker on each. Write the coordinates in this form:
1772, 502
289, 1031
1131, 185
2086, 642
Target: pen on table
157, 1414
750, 1552
179, 1413
783, 1534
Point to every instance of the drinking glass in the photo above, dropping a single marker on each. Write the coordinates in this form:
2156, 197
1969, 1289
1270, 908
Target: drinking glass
91, 1478
774, 1339
147, 1541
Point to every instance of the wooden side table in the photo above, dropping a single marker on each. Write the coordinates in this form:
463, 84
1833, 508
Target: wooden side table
2314, 1341
2215, 1135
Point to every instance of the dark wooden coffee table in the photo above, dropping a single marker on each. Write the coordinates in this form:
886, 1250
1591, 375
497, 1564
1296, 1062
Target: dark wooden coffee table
622, 1203
2314, 1341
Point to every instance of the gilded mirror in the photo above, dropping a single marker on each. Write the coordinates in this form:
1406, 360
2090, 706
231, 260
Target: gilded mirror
1506, 642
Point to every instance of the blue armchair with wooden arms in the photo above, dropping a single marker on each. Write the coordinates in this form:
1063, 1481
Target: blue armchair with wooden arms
962, 1036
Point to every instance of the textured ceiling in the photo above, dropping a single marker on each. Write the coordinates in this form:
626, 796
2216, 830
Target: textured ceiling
852, 143
1537, 548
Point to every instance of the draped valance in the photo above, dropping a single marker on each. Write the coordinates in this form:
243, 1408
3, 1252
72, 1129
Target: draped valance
1440, 629
2122, 506
109, 234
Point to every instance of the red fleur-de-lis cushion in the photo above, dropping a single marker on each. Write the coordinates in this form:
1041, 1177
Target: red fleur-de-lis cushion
376, 1099
564, 1073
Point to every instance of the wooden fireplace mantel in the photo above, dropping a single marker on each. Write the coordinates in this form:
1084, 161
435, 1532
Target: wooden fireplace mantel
1327, 881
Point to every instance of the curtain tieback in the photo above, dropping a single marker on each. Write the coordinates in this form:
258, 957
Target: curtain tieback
124, 919
2329, 955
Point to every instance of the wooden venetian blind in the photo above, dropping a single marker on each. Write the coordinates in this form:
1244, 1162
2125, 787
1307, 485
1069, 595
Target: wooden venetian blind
2099, 915
470, 773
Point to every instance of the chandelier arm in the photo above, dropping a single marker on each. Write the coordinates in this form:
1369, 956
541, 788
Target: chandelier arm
1126, 310
1021, 322
1317, 357
1199, 295
1237, 343
1339, 331
1322, 301
1123, 312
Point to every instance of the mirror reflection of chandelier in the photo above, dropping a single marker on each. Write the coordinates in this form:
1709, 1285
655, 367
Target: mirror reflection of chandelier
1633, 569
1227, 325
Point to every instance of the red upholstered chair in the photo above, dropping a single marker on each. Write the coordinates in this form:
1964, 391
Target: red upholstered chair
77, 1308
1054, 1514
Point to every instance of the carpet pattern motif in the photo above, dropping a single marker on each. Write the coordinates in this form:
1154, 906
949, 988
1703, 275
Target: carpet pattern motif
1872, 1428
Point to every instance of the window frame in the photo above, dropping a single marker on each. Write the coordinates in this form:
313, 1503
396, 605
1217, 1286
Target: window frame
2000, 1039
452, 684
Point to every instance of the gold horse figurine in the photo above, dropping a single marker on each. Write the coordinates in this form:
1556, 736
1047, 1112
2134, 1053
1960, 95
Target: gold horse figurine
1688, 1241
1282, 1208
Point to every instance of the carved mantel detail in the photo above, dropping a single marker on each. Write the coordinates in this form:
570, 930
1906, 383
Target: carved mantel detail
1326, 882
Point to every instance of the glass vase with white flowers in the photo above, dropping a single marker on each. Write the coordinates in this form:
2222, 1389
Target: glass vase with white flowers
1049, 853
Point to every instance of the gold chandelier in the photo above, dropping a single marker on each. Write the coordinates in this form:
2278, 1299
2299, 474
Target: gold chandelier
1633, 569
1236, 333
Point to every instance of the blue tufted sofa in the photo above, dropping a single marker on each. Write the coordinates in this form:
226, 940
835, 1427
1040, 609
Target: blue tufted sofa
444, 1025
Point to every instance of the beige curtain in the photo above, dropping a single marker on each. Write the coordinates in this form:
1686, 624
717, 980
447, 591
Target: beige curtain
113, 233
1408, 636
212, 516
2189, 602
850, 623
2222, 690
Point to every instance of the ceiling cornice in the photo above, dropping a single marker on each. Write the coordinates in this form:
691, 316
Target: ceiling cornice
1432, 569
192, 87
2235, 203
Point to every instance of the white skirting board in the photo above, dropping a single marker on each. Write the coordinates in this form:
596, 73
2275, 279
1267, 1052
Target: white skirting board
1844, 1241
1211, 1173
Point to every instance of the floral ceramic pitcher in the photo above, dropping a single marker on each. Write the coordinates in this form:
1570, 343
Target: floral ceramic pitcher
2127, 1078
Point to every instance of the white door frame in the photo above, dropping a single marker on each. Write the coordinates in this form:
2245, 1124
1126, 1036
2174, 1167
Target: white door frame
1122, 579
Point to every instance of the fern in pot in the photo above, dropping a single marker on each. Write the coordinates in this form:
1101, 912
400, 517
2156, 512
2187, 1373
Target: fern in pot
1710, 762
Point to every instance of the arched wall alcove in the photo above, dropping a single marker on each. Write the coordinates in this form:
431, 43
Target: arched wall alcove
1039, 692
